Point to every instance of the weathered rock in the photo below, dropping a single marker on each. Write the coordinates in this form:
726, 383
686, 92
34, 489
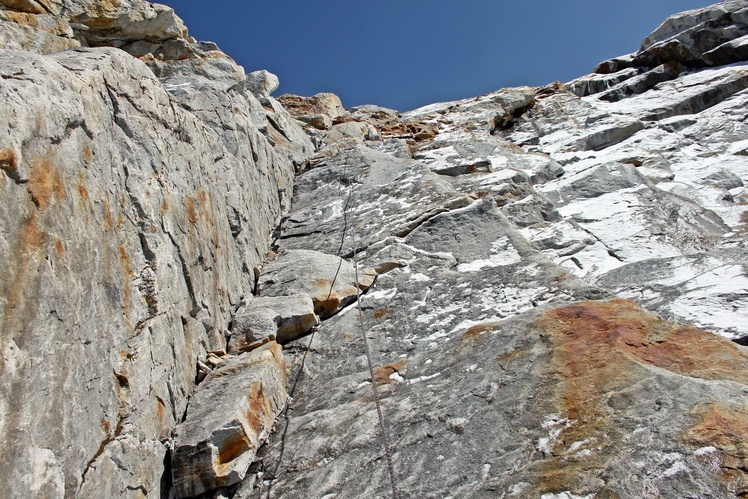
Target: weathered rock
253, 328
121, 245
329, 280
318, 111
294, 314
136, 203
228, 418
262, 83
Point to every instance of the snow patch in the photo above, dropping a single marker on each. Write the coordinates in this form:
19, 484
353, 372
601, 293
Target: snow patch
384, 294
502, 253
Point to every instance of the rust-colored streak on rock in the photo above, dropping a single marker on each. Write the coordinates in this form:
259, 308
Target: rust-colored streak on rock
60, 248
474, 337
86, 153
622, 327
83, 194
726, 429
127, 274
19, 284
191, 210
259, 413
9, 162
596, 347
108, 219
233, 448
382, 374
326, 303
381, 312
45, 183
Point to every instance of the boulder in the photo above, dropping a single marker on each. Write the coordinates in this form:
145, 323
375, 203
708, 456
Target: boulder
262, 83
228, 418
252, 329
318, 110
266, 318
328, 279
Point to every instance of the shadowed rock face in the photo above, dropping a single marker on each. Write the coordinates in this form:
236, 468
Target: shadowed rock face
512, 251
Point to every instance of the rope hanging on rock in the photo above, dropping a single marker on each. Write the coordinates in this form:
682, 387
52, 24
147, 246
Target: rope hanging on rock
380, 415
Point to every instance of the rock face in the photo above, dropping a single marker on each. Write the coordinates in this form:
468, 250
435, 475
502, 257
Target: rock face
133, 210
550, 277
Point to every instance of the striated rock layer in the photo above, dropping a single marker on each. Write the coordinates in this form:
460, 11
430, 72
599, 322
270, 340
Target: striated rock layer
135, 201
551, 277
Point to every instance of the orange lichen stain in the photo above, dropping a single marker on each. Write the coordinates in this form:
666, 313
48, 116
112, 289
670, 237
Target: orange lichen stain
82, 191
86, 153
25, 18
108, 220
597, 346
726, 429
382, 374
30, 244
160, 411
20, 281
60, 248
327, 303
259, 413
381, 312
124, 261
191, 211
561, 277
45, 183
476, 331
233, 447
473, 337
9, 162
127, 274
504, 359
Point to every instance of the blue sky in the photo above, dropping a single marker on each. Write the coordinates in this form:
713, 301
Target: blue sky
407, 53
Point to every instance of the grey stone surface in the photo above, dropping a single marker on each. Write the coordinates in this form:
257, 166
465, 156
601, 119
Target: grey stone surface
294, 314
251, 328
262, 83
131, 226
508, 233
330, 281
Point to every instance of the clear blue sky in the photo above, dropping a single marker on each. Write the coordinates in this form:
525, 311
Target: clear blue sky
407, 53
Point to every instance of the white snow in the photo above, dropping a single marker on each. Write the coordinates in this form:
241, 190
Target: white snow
703, 451
423, 378
502, 253
382, 294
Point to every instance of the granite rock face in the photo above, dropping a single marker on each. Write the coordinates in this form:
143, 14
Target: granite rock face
550, 277
133, 213
511, 243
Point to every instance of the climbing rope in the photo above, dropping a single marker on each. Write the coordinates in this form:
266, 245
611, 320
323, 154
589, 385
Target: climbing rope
362, 329
370, 363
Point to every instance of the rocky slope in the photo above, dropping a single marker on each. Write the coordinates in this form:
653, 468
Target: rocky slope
551, 277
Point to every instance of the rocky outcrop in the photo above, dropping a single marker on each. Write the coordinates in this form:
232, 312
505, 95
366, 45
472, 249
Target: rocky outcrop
229, 417
505, 364
136, 202
549, 278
